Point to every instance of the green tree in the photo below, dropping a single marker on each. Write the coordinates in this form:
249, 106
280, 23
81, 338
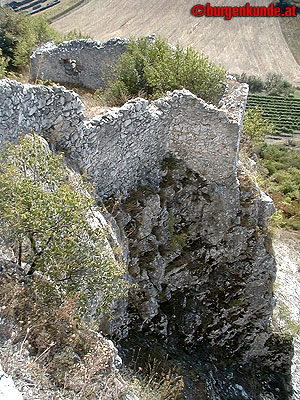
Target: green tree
276, 86
255, 126
152, 67
256, 84
20, 34
50, 214
10, 30
34, 32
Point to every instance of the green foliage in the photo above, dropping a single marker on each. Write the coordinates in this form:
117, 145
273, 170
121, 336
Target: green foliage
151, 68
21, 34
73, 35
3, 65
46, 82
255, 126
50, 214
10, 31
256, 84
280, 177
274, 85
35, 31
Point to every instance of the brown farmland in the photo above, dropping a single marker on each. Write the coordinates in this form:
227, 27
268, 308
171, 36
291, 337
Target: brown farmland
254, 45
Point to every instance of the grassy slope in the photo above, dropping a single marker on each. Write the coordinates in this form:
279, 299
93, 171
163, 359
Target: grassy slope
254, 45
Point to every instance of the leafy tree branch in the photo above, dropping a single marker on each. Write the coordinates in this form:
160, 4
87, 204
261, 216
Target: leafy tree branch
50, 213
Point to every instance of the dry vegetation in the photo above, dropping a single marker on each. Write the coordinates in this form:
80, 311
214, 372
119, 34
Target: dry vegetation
51, 348
51, 354
252, 45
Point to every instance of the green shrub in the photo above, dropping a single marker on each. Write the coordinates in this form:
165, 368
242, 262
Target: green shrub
255, 126
3, 65
274, 85
10, 31
256, 84
35, 31
151, 68
20, 34
74, 34
48, 215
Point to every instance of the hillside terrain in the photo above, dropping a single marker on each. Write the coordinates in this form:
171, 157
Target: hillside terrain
291, 31
252, 45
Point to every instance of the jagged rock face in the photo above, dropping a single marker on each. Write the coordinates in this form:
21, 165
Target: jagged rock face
201, 261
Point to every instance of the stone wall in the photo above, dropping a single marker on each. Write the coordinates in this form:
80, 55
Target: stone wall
84, 62
198, 250
124, 147
53, 112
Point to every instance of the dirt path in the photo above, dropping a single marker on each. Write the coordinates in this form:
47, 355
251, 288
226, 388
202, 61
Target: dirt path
254, 45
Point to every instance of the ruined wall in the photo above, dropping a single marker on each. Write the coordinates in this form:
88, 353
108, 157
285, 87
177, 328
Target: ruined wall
124, 147
53, 112
198, 248
84, 62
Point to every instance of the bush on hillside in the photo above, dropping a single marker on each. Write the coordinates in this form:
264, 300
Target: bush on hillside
151, 68
256, 84
274, 84
48, 216
278, 168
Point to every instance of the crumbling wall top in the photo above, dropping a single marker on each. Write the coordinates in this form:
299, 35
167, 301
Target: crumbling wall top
124, 147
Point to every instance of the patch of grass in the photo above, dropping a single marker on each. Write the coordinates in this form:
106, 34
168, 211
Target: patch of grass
64, 359
155, 380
